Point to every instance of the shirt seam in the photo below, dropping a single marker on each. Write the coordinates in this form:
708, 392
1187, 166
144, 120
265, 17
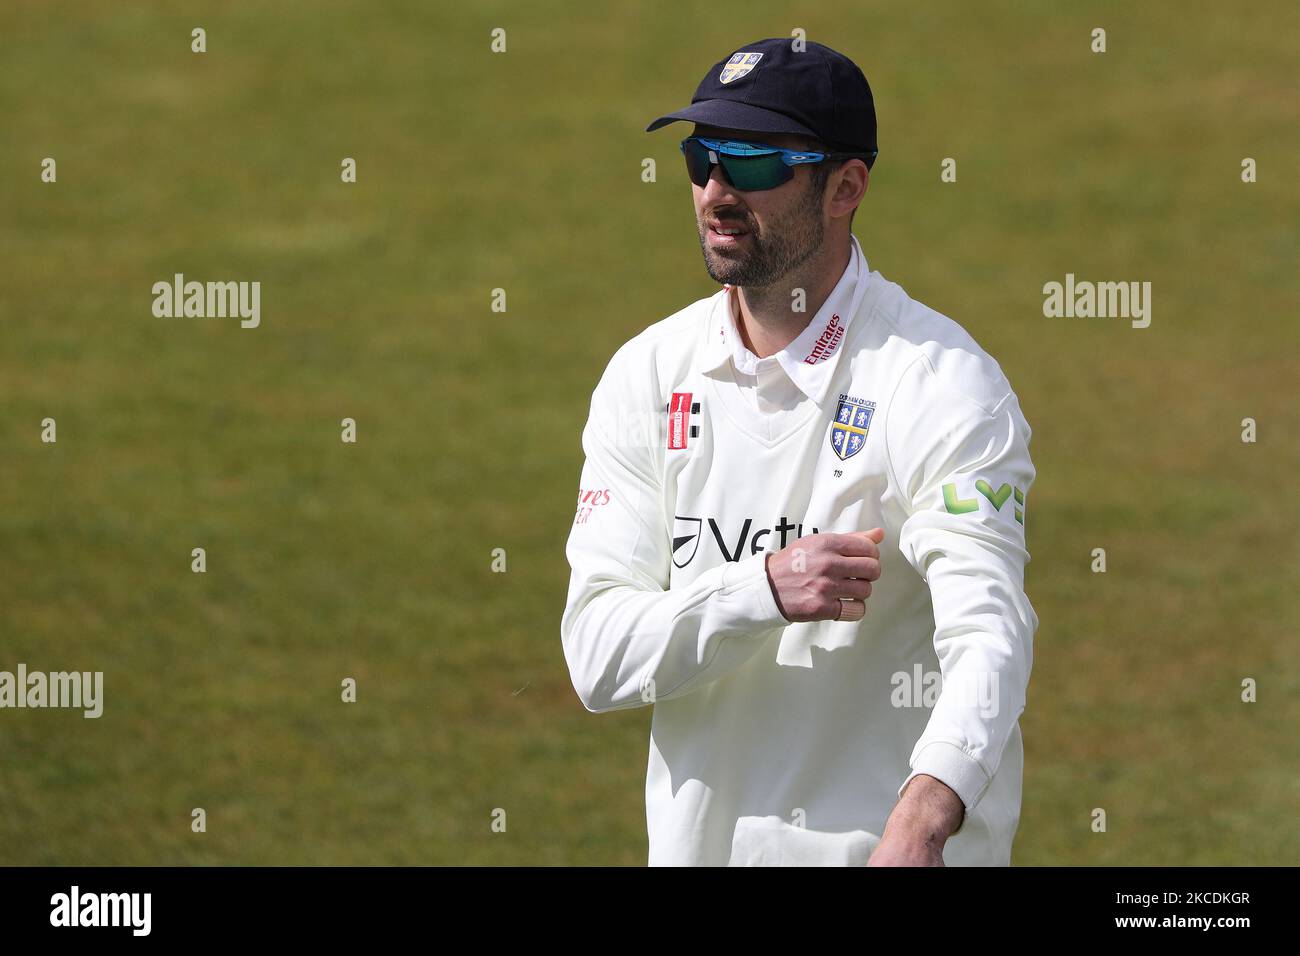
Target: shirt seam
889, 414
990, 412
933, 375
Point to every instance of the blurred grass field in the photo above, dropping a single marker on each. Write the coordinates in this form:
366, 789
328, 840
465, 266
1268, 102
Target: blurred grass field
522, 171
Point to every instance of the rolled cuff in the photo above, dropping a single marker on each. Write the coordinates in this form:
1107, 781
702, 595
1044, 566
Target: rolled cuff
956, 769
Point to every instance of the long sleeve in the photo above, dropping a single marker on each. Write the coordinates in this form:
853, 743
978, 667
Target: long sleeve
628, 638
962, 458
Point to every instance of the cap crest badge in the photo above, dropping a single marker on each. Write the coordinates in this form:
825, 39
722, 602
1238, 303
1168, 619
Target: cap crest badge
739, 64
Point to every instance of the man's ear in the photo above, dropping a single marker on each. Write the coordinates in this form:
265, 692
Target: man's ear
852, 186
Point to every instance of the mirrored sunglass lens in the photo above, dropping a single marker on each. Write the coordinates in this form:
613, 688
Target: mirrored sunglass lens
697, 163
756, 172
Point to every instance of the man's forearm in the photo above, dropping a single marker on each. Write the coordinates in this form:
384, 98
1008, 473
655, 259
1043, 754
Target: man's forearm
928, 810
927, 813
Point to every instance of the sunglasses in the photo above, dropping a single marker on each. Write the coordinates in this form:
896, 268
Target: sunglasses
750, 167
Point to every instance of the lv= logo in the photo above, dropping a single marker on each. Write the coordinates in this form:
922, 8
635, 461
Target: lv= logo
961, 506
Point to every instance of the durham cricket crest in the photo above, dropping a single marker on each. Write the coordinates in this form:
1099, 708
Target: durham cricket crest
849, 430
739, 64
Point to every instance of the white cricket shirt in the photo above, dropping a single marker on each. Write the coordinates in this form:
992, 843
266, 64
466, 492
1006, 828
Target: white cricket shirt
781, 743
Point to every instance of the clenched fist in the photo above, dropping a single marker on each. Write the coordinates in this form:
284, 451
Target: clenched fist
826, 577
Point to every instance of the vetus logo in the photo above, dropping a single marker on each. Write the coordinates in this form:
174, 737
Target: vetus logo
688, 531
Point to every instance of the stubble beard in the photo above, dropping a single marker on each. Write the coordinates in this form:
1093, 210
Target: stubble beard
787, 243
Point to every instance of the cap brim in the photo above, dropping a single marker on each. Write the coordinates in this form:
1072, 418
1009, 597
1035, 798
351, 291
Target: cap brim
732, 115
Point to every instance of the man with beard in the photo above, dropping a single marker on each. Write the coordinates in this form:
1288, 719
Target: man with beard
764, 463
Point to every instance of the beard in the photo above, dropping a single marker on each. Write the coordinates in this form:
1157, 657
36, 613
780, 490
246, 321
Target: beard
786, 243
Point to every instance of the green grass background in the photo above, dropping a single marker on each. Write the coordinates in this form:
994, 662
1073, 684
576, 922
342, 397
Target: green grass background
522, 171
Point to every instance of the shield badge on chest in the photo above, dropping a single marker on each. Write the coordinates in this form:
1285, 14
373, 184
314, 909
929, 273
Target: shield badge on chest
849, 429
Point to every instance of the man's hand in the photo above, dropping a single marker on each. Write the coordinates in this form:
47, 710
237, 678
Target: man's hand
925, 816
810, 576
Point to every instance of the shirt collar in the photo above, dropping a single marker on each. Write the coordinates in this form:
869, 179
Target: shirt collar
810, 359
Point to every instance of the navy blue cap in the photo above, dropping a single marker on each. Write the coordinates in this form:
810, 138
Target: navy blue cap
773, 87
